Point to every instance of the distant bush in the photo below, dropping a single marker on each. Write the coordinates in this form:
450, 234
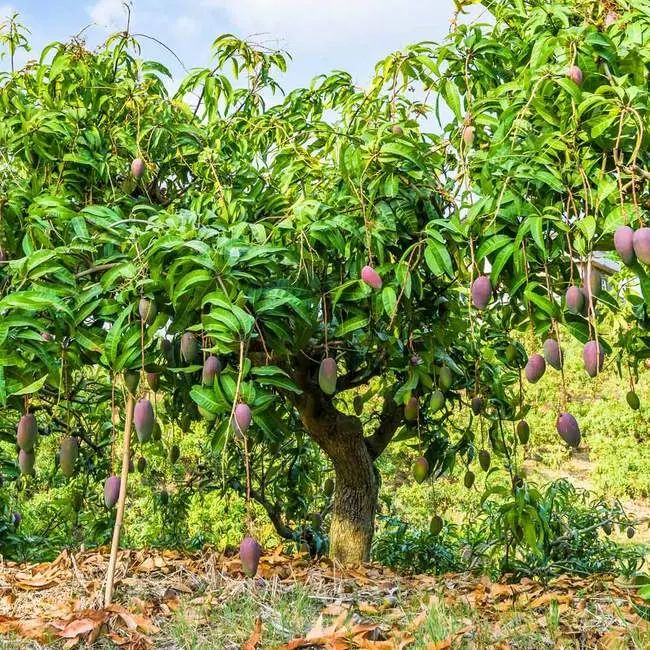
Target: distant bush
535, 533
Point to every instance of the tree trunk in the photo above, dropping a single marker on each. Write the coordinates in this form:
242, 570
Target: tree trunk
353, 516
356, 486
341, 437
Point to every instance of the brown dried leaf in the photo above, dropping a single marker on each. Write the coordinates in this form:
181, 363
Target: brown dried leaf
117, 639
548, 598
336, 609
146, 566
255, 637
24, 581
368, 608
78, 627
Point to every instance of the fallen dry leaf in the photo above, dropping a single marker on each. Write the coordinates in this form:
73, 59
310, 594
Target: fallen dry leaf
255, 637
40, 601
78, 627
548, 598
336, 609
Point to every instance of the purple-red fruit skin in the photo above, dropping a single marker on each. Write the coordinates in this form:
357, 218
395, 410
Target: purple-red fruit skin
553, 354
641, 243
593, 356
27, 432
567, 427
143, 418
535, 368
189, 347
242, 418
371, 277
575, 299
624, 244
575, 73
420, 469
481, 292
249, 554
327, 374
137, 168
412, 409
594, 285
111, 491
26, 460
211, 368
153, 379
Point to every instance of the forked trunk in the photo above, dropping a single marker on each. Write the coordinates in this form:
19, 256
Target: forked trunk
353, 516
341, 437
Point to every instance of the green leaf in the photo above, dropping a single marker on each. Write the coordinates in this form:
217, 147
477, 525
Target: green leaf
351, 325
491, 245
536, 230
450, 94
538, 300
389, 300
501, 260
34, 387
588, 226
113, 336
189, 282
206, 399
396, 150
438, 259
644, 592
280, 382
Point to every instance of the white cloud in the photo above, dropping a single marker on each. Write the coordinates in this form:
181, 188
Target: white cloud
108, 13
6, 11
185, 26
320, 24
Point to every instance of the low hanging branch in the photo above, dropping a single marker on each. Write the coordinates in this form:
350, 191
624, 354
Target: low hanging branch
126, 445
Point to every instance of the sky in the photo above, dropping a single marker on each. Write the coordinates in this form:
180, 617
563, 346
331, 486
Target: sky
321, 35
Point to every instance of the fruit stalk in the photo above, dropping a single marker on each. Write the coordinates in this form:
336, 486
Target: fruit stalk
110, 573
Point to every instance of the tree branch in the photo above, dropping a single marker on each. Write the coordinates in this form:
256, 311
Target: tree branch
330, 428
389, 421
97, 269
273, 513
353, 379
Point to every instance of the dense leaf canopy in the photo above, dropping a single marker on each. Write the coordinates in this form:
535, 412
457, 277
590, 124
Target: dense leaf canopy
257, 212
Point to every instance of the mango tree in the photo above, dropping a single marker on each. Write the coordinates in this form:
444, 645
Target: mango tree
551, 102
318, 264
262, 260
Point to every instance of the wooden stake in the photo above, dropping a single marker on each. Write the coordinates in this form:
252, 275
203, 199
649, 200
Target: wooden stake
110, 574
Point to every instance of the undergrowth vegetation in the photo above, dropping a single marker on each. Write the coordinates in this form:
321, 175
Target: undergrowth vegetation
474, 536
359, 336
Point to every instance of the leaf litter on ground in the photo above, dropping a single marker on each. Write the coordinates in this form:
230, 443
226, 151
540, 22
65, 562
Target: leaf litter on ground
366, 606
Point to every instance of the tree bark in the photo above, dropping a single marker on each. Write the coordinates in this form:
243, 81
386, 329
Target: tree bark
355, 505
356, 485
341, 437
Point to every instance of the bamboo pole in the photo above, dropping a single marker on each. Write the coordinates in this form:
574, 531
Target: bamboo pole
110, 573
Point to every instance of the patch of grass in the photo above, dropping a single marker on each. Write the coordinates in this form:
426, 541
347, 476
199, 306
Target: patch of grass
440, 624
229, 623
